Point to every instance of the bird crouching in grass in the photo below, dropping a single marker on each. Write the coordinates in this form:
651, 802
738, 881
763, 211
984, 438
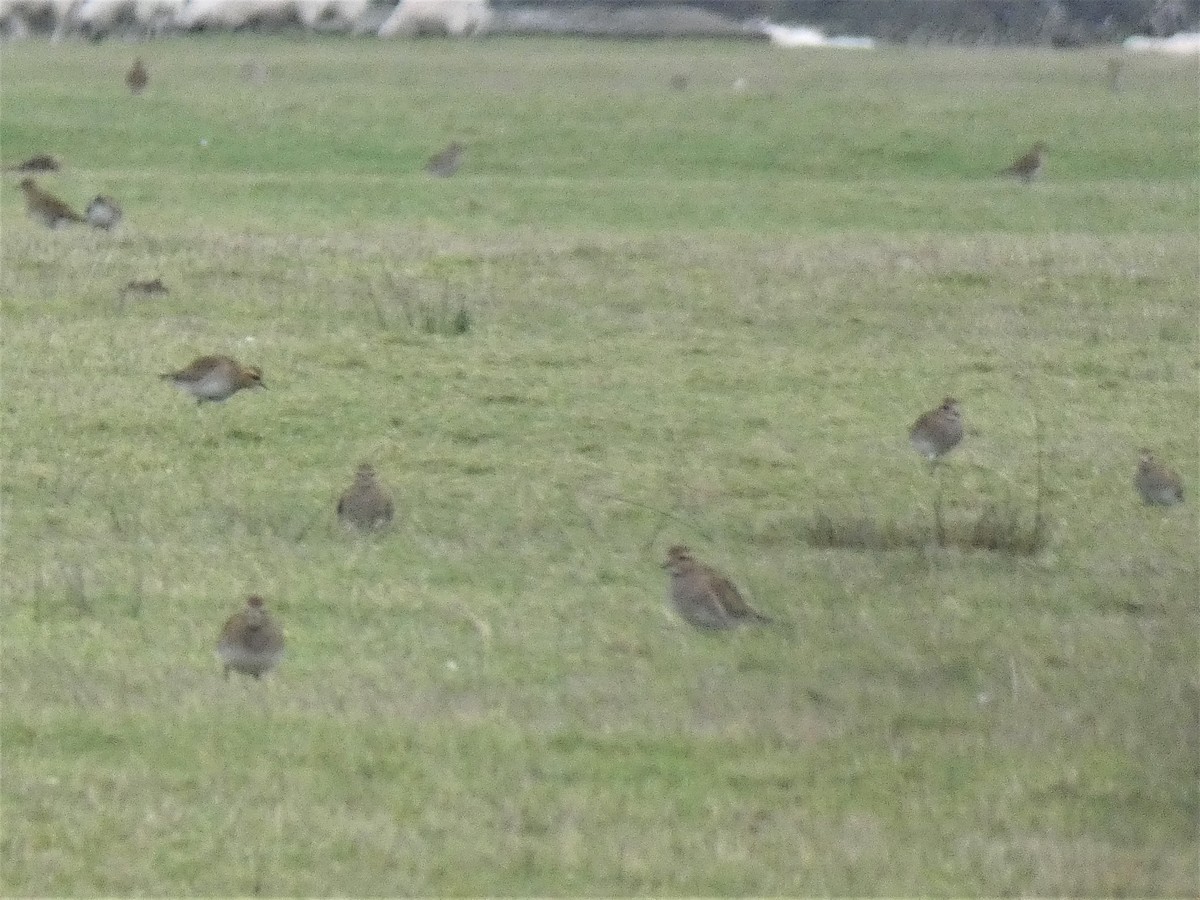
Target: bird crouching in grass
447, 162
103, 212
149, 287
1157, 484
215, 378
1029, 166
251, 641
365, 505
703, 596
938, 431
43, 162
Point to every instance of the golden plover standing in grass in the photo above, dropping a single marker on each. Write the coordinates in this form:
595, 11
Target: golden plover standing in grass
251, 642
703, 596
137, 77
1158, 484
1029, 166
215, 378
446, 163
45, 208
938, 431
103, 212
365, 504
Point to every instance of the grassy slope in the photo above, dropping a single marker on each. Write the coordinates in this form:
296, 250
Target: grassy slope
702, 316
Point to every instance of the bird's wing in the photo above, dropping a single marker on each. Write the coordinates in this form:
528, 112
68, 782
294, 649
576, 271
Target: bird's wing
708, 601
733, 603
718, 610
232, 625
61, 209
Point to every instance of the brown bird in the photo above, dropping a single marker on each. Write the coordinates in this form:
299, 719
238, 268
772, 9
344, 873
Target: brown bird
703, 596
103, 212
1158, 484
938, 431
365, 504
45, 208
251, 641
1029, 166
149, 288
43, 162
446, 163
137, 77
215, 378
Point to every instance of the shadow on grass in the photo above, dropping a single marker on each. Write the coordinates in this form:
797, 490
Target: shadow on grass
998, 528
447, 312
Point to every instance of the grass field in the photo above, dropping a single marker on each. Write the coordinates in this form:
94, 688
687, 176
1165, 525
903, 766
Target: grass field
638, 316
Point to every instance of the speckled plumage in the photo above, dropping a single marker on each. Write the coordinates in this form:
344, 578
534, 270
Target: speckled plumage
251, 642
215, 378
1157, 484
938, 431
365, 504
1029, 166
703, 596
45, 208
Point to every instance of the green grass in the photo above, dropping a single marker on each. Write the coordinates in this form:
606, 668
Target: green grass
637, 316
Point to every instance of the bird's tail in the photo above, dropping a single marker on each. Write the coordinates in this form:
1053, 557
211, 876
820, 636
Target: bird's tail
788, 629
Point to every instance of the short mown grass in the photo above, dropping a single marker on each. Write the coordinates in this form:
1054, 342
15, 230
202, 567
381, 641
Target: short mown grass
637, 316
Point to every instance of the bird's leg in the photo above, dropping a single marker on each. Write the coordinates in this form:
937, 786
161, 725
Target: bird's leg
938, 522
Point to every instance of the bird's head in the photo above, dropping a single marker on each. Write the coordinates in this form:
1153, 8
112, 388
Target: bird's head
256, 611
679, 559
252, 377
